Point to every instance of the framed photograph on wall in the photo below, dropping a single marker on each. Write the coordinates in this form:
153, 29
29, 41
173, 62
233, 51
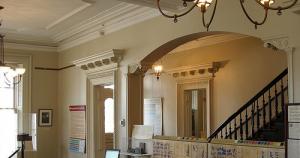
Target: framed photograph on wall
45, 117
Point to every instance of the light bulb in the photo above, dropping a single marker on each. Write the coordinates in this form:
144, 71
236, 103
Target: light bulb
158, 68
205, 3
268, 2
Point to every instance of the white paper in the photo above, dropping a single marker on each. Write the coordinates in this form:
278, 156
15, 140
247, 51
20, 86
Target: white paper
182, 149
142, 132
271, 153
153, 114
294, 114
294, 130
293, 148
163, 149
198, 150
224, 151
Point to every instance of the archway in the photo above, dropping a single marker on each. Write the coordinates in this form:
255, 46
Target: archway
137, 78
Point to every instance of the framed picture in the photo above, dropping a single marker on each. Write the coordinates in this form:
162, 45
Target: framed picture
45, 117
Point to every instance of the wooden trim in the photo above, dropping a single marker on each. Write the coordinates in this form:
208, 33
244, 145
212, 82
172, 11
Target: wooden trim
135, 101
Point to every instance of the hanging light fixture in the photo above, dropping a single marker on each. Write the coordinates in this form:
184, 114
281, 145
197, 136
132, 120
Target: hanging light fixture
12, 73
204, 5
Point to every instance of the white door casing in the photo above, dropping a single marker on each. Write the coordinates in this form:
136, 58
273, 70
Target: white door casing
100, 69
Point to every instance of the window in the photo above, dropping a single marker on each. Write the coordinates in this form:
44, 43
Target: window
8, 119
109, 115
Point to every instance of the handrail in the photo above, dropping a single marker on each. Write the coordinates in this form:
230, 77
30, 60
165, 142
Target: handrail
260, 110
249, 103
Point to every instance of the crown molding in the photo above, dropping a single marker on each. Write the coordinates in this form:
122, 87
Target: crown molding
63, 18
114, 19
100, 62
30, 47
166, 5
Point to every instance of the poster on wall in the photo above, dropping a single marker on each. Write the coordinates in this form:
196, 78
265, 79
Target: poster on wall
77, 140
153, 114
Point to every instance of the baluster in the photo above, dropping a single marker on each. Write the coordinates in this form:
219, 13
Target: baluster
230, 132
276, 101
287, 81
264, 110
252, 120
258, 115
247, 128
226, 133
235, 129
282, 96
241, 126
270, 109
222, 134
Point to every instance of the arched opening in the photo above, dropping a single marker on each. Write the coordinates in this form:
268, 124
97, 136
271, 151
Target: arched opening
231, 69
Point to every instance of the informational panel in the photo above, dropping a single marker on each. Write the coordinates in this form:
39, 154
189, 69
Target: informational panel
153, 115
163, 149
224, 151
77, 140
294, 113
187, 149
293, 147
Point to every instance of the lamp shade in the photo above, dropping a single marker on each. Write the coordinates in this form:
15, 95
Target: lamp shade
20, 71
4, 68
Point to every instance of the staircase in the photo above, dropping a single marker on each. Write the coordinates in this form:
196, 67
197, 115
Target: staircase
261, 118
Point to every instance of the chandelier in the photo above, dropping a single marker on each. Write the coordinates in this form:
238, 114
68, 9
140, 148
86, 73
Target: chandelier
205, 4
12, 72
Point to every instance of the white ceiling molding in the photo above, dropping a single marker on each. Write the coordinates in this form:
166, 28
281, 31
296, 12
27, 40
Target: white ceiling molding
96, 20
100, 62
30, 47
202, 72
80, 40
73, 12
166, 5
107, 23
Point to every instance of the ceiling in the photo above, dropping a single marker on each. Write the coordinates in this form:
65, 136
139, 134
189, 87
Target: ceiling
59, 23
63, 24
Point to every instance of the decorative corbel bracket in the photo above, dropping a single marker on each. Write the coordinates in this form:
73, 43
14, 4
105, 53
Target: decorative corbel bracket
196, 72
100, 62
282, 43
278, 43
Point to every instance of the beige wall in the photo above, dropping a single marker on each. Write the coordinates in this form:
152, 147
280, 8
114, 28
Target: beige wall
139, 40
245, 74
44, 96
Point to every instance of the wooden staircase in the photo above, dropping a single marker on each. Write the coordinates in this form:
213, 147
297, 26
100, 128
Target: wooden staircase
261, 118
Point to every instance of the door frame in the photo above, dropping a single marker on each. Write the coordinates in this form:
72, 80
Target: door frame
205, 84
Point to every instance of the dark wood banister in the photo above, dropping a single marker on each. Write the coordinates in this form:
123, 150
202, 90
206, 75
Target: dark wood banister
260, 110
249, 103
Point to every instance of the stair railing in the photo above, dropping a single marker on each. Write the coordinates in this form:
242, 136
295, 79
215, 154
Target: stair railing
257, 113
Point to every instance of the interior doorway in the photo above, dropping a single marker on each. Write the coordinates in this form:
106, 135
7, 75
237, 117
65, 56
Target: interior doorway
193, 108
105, 116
